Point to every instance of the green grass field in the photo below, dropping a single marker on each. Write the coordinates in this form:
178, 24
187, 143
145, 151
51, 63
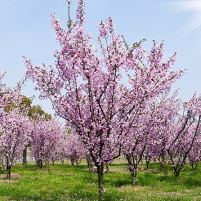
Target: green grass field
64, 182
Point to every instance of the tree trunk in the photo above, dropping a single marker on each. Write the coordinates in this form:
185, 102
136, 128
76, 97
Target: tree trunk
147, 163
53, 162
89, 163
176, 171
46, 165
90, 167
107, 167
100, 182
194, 165
161, 166
8, 170
134, 174
148, 159
25, 156
72, 162
39, 163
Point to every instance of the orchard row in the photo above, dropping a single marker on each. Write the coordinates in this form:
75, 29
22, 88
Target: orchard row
115, 98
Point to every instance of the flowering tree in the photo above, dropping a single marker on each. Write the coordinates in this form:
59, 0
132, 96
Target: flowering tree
34, 112
185, 131
14, 129
194, 155
88, 90
74, 148
10, 98
44, 140
13, 124
166, 109
146, 138
139, 140
61, 151
69, 147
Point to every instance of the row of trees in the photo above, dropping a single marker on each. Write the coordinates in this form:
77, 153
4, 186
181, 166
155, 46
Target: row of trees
115, 100
23, 125
116, 97
47, 140
165, 130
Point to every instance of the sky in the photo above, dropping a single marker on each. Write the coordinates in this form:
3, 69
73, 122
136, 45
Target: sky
25, 30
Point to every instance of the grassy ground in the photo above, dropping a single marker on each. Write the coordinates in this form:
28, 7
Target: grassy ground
64, 182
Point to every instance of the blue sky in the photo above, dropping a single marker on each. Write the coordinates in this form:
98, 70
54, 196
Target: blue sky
25, 30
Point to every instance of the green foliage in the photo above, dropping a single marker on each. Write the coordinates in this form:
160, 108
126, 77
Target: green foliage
35, 112
25, 103
64, 182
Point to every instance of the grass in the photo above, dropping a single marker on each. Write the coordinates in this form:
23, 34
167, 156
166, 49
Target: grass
64, 182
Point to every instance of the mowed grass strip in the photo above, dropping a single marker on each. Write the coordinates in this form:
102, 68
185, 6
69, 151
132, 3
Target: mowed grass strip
66, 182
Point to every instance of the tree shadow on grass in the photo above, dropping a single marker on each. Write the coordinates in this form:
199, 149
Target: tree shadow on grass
192, 182
117, 179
